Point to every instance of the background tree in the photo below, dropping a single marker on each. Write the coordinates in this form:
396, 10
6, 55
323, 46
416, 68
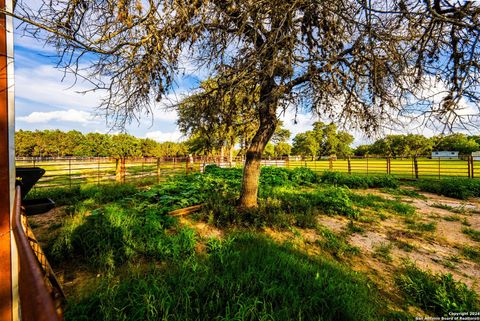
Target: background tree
456, 142
362, 150
217, 118
282, 149
305, 144
362, 61
323, 139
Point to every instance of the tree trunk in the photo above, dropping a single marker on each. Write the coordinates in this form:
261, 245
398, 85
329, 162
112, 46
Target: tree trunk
251, 170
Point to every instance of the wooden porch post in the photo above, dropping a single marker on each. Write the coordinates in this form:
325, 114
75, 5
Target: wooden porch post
8, 262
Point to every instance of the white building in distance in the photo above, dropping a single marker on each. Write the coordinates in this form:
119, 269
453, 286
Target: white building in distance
445, 154
476, 156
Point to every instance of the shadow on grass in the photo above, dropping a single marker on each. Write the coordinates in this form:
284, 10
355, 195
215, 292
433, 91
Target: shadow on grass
245, 277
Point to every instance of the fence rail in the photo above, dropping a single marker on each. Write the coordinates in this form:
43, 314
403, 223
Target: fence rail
75, 171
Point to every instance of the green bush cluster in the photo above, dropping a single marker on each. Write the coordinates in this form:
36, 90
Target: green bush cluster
283, 207
437, 293
461, 188
107, 237
357, 181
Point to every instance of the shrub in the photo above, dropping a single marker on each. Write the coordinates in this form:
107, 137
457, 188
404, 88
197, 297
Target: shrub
437, 293
274, 176
303, 176
357, 181
461, 188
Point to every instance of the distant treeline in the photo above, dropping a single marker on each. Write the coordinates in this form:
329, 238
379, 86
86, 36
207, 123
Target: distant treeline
56, 143
322, 140
419, 145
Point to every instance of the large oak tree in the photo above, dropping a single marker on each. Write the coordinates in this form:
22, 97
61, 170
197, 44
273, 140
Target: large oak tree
362, 61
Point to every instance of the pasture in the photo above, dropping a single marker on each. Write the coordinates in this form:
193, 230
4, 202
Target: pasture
101, 170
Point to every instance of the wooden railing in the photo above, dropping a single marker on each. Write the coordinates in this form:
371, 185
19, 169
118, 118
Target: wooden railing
41, 296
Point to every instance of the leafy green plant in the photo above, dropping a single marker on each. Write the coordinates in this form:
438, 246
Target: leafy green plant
461, 188
437, 293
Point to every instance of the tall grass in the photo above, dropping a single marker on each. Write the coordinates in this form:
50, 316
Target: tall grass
245, 277
437, 293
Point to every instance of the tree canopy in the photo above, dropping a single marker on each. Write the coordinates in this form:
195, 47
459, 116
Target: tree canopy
323, 140
55, 143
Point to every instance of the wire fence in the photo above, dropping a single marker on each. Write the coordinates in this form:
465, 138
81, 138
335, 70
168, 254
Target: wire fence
70, 171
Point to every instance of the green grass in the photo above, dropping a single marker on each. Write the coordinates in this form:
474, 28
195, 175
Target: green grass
436, 293
146, 266
71, 196
427, 168
420, 227
402, 192
472, 233
471, 253
379, 203
403, 245
452, 218
357, 181
336, 244
383, 251
244, 277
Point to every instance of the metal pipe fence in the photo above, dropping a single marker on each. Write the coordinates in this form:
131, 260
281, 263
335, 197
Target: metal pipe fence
61, 172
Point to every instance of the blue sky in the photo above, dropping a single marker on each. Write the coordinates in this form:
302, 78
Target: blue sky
44, 101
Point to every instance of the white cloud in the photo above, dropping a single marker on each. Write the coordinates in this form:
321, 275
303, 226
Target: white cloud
44, 84
160, 136
71, 115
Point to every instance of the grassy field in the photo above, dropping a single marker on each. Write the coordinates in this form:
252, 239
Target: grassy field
318, 247
398, 167
66, 172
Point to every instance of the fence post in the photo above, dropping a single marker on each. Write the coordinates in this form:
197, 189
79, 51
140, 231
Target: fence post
330, 164
98, 171
472, 175
287, 161
158, 170
349, 165
439, 168
469, 168
472, 167
367, 164
388, 165
415, 166
118, 177
70, 171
